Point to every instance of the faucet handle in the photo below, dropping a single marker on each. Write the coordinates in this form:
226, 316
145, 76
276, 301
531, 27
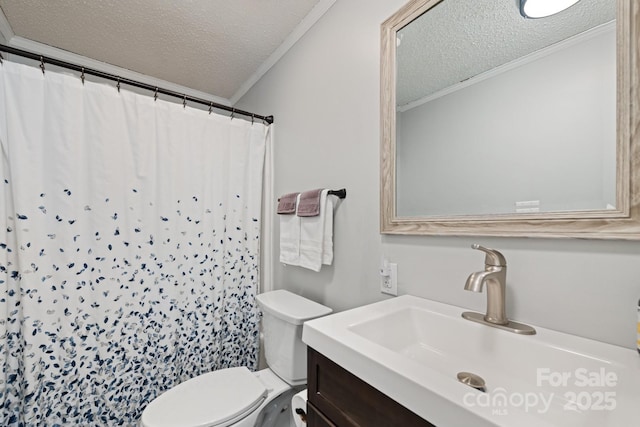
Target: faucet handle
493, 257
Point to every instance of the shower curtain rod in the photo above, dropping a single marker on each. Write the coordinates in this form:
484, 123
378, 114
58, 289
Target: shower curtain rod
121, 80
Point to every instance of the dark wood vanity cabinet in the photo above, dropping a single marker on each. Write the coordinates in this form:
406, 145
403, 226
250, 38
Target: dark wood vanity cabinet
337, 398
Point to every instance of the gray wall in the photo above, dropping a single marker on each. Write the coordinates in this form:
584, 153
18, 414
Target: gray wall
553, 118
324, 94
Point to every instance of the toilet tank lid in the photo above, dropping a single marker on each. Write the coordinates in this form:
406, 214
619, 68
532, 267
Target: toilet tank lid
290, 307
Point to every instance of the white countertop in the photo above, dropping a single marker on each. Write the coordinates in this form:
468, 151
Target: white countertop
411, 349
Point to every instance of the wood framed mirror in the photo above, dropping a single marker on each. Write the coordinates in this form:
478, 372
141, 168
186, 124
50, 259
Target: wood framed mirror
440, 173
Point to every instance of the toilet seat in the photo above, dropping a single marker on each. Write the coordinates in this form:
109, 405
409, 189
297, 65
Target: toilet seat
217, 398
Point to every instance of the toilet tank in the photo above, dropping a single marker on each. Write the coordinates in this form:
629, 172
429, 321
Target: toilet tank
283, 314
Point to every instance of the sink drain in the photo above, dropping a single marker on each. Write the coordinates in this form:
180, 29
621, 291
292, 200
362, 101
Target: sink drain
472, 380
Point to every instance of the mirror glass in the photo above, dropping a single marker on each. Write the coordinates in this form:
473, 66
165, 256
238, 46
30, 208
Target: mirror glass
500, 114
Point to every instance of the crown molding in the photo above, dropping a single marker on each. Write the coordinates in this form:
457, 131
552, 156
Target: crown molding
64, 55
534, 56
6, 33
300, 30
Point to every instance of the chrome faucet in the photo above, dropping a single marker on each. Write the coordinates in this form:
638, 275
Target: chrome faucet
495, 278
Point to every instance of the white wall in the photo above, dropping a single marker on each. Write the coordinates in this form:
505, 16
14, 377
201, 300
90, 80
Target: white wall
325, 97
553, 118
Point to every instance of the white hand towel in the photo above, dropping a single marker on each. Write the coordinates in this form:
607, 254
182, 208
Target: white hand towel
327, 244
290, 239
316, 236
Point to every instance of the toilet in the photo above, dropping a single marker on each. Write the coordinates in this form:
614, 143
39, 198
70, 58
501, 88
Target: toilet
237, 397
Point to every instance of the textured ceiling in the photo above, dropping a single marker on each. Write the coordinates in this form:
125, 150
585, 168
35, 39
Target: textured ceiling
210, 45
459, 39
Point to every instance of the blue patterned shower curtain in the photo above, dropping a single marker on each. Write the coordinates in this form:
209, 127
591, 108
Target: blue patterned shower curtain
129, 248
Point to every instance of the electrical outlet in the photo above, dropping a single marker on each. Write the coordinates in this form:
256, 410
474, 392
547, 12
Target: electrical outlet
389, 282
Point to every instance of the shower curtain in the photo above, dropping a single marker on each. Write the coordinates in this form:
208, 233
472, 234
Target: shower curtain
129, 248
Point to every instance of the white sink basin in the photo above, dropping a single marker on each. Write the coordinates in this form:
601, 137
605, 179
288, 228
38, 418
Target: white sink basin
412, 350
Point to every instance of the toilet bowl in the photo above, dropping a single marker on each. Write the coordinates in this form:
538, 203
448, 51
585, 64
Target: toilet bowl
238, 397
229, 397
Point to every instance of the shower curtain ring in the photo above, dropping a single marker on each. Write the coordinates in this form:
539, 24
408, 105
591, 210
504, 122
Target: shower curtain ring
118, 85
184, 102
155, 94
82, 76
253, 116
233, 112
210, 107
42, 64
1, 59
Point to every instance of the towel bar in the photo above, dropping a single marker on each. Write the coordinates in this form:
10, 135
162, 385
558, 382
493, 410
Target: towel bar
342, 193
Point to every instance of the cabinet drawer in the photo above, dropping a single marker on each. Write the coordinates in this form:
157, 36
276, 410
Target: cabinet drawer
347, 401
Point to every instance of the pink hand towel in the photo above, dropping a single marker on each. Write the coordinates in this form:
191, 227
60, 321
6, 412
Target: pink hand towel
287, 204
309, 204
